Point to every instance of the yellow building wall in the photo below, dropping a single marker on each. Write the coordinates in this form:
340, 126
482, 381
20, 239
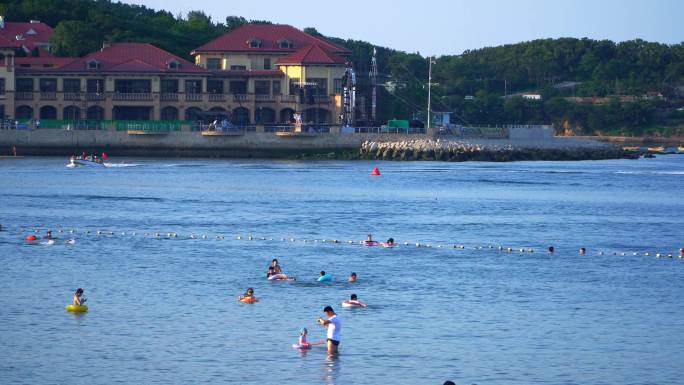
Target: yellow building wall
256, 62
7, 70
250, 61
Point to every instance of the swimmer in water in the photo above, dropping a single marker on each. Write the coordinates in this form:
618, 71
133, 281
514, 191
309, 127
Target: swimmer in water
303, 343
390, 242
551, 249
354, 301
271, 272
79, 300
582, 251
352, 277
248, 296
48, 235
276, 266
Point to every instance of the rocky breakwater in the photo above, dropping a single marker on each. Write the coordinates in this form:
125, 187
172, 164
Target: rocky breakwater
454, 150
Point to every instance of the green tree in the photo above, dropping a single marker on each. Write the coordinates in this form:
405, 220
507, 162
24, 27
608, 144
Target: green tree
233, 22
74, 38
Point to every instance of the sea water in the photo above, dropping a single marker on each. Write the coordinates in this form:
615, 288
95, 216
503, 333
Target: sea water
163, 274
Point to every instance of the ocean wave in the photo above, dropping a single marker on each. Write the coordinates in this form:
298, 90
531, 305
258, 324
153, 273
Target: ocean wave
518, 182
650, 172
87, 197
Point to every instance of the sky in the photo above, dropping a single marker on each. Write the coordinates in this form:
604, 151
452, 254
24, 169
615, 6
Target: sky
443, 27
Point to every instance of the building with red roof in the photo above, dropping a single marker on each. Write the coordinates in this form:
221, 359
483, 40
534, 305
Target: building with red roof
307, 62
261, 38
26, 36
256, 74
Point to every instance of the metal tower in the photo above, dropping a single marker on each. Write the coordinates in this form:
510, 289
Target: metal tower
349, 95
374, 85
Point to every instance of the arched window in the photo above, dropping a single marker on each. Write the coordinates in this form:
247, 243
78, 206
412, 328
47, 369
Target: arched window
48, 112
192, 113
287, 115
95, 113
240, 116
170, 113
71, 113
265, 115
23, 113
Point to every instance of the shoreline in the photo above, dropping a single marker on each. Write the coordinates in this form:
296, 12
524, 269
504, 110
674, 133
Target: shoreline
356, 146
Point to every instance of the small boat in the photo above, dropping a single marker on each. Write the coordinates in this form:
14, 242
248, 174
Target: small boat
77, 161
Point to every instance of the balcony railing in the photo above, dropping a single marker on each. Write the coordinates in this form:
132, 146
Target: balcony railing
169, 97
193, 97
96, 96
163, 96
264, 98
133, 96
72, 96
23, 95
48, 95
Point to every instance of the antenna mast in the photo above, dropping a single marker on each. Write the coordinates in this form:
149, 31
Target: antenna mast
374, 84
349, 95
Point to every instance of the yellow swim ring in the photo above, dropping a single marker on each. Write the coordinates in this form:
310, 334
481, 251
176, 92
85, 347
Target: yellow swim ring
77, 308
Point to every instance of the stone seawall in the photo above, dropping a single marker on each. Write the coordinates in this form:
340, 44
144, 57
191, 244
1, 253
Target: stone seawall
269, 145
458, 150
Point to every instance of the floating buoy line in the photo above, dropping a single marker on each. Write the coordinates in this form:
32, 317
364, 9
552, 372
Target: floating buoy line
29, 234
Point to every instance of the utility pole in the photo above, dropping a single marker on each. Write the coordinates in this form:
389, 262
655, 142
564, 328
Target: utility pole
429, 90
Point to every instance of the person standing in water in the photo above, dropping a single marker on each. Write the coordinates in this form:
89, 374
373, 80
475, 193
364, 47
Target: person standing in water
334, 325
352, 277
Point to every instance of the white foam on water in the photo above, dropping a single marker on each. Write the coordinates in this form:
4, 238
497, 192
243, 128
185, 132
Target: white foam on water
119, 165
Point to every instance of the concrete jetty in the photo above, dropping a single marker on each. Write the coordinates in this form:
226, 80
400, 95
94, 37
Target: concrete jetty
329, 145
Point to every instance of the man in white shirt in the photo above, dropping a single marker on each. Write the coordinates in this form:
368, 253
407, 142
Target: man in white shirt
334, 324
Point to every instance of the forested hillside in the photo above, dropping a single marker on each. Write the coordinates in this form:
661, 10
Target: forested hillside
586, 86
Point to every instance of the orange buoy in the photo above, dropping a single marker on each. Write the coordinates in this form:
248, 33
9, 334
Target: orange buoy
31, 238
376, 172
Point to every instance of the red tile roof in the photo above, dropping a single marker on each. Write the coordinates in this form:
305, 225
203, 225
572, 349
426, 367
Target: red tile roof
41, 34
132, 57
7, 43
270, 36
56, 62
313, 54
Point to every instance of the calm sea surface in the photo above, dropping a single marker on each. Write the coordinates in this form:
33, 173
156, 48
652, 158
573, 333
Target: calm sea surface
163, 310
